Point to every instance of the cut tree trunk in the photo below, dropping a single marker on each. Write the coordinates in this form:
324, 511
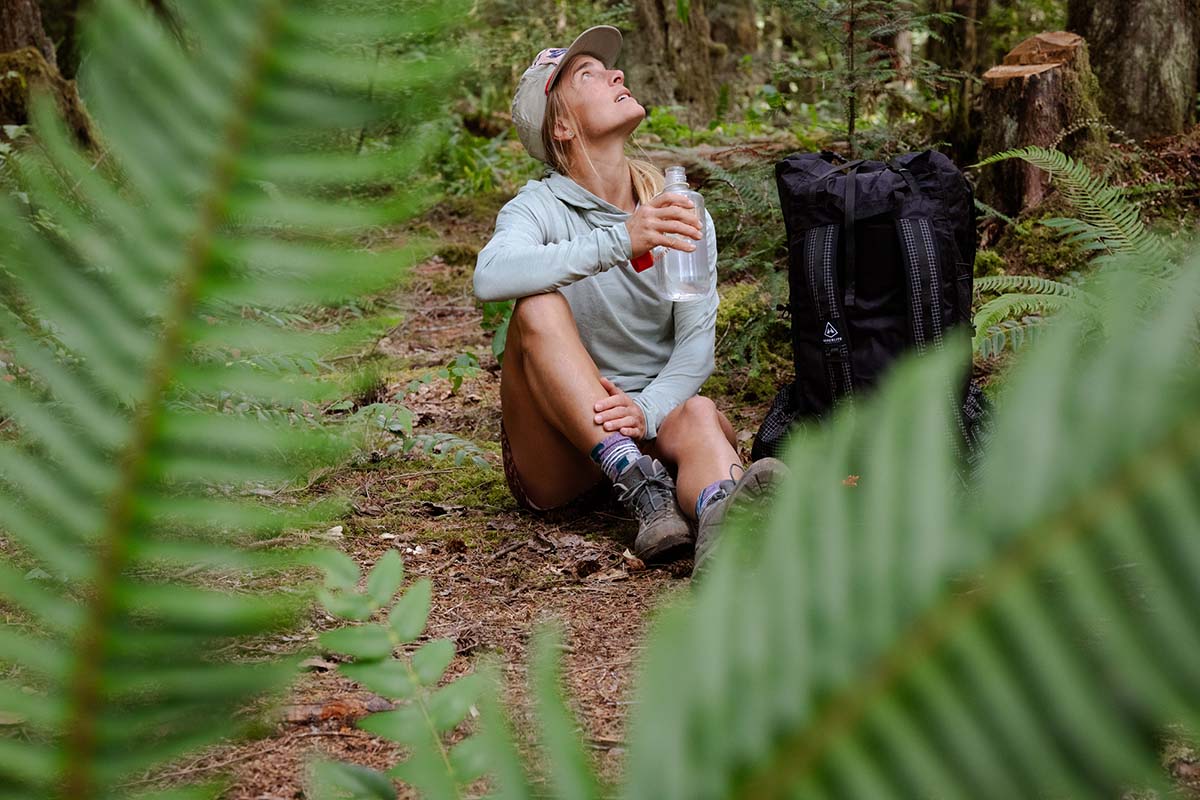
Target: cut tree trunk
21, 26
1145, 55
1043, 94
670, 61
28, 65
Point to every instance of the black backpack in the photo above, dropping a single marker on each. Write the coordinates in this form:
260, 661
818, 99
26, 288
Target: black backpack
880, 261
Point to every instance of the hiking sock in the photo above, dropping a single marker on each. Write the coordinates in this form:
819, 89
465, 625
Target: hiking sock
614, 454
708, 494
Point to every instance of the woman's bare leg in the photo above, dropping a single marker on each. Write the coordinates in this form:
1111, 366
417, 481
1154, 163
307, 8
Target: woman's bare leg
548, 388
698, 441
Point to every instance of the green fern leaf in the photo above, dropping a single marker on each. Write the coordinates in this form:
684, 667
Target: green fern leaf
122, 473
1024, 284
1016, 306
1112, 222
893, 637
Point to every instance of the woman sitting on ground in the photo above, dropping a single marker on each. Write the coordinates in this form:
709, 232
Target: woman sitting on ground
600, 374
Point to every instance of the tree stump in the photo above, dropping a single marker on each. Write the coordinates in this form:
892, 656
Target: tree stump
1043, 94
24, 72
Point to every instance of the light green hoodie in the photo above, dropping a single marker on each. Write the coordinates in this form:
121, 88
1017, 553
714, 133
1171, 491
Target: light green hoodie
556, 235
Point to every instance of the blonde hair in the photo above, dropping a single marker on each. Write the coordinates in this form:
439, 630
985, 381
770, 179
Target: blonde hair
648, 180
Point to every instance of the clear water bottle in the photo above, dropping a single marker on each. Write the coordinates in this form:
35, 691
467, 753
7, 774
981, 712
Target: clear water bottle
683, 275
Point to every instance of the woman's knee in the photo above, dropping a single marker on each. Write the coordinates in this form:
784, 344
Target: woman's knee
542, 315
698, 410
693, 416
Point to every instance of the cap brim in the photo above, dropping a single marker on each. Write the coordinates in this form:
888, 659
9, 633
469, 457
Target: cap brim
601, 41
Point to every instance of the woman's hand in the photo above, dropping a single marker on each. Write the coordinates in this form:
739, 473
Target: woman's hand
651, 223
619, 412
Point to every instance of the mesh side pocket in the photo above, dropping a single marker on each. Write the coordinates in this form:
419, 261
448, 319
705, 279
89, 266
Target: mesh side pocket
772, 434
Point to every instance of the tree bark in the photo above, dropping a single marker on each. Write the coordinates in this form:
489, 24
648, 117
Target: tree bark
28, 64
670, 61
21, 26
733, 26
1042, 91
960, 47
1145, 55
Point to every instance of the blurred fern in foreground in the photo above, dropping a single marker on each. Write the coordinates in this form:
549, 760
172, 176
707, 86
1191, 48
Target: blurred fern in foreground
213, 196
888, 636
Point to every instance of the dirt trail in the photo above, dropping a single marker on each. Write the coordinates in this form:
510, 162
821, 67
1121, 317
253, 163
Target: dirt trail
497, 572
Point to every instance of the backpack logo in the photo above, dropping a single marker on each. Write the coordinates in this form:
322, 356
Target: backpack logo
831, 334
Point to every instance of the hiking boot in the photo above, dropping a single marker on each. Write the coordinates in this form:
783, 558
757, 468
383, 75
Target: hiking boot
646, 489
754, 490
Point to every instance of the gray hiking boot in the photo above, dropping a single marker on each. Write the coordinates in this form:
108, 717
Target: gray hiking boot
646, 489
753, 490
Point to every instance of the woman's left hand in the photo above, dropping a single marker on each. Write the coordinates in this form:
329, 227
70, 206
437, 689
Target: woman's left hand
618, 412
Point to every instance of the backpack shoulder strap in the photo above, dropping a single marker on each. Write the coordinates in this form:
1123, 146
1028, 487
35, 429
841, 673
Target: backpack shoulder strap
922, 272
922, 281
820, 273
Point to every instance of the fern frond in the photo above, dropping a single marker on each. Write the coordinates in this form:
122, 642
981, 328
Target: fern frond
1010, 334
141, 281
1015, 306
1112, 221
1024, 284
893, 637
424, 713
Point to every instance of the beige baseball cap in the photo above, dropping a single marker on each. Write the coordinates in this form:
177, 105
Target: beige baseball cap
529, 102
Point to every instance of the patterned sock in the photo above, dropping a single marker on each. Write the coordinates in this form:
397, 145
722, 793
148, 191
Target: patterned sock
614, 454
706, 495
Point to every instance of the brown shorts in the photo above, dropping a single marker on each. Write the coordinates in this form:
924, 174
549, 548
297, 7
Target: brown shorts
590, 500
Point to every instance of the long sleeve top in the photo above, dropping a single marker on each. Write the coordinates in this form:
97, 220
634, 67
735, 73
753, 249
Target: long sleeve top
557, 236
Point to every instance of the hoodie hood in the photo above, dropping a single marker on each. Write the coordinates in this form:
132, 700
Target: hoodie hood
598, 212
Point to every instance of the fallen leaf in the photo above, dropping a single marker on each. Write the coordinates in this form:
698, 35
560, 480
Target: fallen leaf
745, 436
335, 532
9, 718
540, 543
611, 574
569, 540
632, 562
438, 509
586, 566
317, 664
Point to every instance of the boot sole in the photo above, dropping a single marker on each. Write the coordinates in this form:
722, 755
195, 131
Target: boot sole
761, 480
671, 548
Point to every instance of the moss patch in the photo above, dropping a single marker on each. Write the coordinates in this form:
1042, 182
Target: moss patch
1037, 249
988, 262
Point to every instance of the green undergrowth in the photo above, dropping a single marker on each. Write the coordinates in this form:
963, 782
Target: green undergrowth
753, 344
1036, 249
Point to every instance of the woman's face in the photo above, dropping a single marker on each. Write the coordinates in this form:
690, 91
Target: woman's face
598, 97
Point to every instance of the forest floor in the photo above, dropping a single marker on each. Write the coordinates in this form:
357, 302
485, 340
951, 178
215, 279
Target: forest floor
497, 571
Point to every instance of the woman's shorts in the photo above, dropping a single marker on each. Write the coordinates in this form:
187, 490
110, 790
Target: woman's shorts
590, 500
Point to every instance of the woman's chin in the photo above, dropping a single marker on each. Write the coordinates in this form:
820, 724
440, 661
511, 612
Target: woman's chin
635, 114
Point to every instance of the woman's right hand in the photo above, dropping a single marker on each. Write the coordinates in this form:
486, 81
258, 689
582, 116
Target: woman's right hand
651, 224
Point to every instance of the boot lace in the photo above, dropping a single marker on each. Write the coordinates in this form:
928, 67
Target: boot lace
650, 495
